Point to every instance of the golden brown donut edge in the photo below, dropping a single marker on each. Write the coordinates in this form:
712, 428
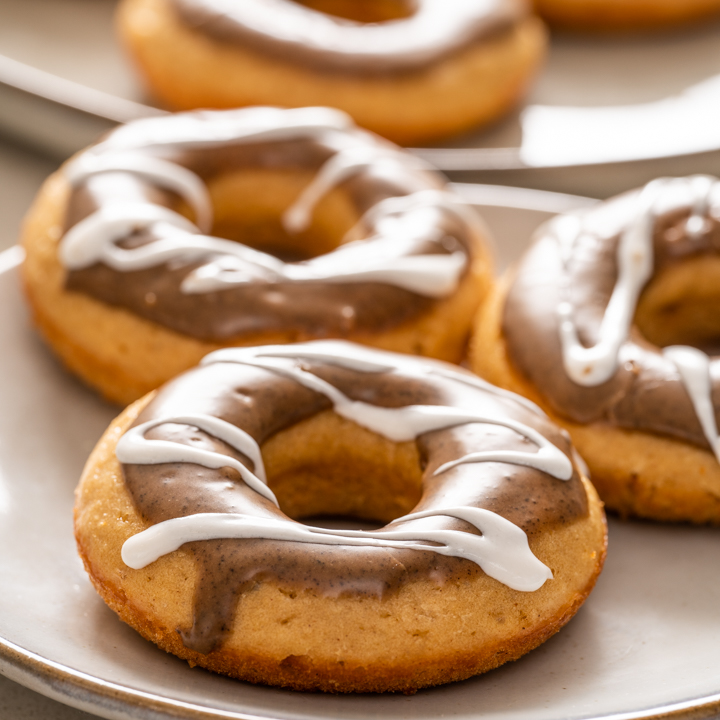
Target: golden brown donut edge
422, 635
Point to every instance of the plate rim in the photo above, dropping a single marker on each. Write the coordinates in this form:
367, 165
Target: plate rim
86, 102
119, 702
90, 694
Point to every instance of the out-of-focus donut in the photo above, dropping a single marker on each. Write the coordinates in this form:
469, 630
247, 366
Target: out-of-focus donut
351, 237
428, 69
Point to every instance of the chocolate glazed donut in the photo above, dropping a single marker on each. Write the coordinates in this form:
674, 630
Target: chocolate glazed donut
500, 537
590, 327
419, 69
353, 238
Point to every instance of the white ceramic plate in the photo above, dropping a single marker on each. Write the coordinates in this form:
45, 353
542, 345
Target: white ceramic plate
606, 114
645, 645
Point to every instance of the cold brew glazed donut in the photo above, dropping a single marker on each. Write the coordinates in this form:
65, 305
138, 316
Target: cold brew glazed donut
130, 291
624, 15
417, 70
183, 519
604, 322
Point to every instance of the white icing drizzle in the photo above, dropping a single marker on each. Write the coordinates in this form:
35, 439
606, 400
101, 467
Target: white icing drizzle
361, 359
341, 166
387, 210
166, 174
400, 424
595, 365
229, 264
93, 240
211, 128
433, 29
590, 366
501, 551
134, 448
428, 275
703, 189
694, 368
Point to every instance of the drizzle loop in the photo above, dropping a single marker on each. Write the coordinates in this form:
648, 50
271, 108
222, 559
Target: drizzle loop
135, 448
502, 550
596, 365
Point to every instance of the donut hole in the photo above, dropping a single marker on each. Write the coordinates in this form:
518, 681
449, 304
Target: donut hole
248, 207
681, 305
328, 467
367, 11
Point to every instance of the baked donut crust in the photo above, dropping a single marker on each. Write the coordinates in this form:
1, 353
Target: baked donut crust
422, 634
186, 69
637, 472
624, 15
125, 355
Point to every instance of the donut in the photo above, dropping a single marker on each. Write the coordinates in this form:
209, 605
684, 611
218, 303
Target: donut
409, 70
609, 322
319, 230
492, 534
624, 15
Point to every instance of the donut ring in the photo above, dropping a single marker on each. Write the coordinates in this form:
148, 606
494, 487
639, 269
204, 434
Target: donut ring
624, 15
590, 323
130, 292
437, 70
186, 542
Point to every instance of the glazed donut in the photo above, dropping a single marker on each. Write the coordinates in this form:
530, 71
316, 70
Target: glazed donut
624, 15
494, 538
351, 237
413, 71
604, 322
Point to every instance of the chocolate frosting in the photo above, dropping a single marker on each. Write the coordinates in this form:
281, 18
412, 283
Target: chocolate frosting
263, 403
302, 310
432, 31
580, 267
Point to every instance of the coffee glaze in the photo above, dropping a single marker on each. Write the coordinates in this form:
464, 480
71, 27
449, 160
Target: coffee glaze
496, 472
433, 31
568, 319
126, 244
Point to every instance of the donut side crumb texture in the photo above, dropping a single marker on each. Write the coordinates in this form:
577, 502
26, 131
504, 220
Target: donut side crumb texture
636, 473
421, 635
185, 69
624, 15
125, 356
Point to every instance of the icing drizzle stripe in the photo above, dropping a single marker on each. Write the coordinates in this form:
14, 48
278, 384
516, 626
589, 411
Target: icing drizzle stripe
694, 368
394, 227
134, 447
595, 365
166, 174
502, 550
